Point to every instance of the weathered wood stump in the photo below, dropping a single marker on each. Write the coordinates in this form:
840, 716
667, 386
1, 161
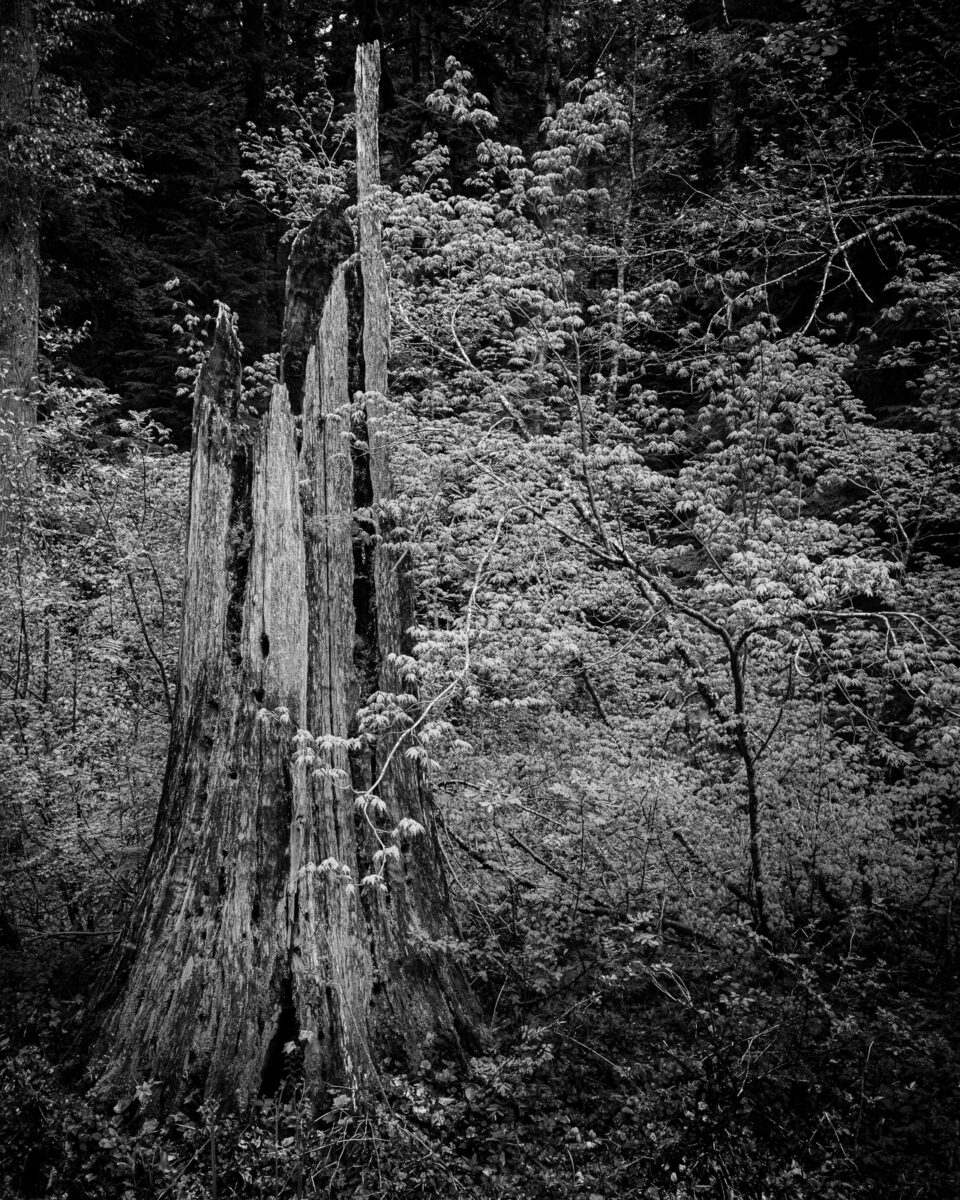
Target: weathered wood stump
253, 952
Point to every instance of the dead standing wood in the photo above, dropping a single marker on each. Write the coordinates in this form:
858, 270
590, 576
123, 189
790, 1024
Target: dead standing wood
420, 991
251, 935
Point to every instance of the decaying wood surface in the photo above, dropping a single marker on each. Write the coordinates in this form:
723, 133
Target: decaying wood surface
253, 954
418, 990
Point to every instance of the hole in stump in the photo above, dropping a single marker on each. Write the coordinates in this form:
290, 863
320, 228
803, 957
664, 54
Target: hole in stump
276, 1064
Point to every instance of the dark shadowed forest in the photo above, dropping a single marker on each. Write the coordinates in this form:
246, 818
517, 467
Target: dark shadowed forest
479, 599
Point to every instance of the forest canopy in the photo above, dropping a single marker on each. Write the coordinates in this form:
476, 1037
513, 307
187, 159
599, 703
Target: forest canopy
480, 587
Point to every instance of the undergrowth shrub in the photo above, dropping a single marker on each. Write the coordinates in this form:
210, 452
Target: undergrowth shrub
89, 614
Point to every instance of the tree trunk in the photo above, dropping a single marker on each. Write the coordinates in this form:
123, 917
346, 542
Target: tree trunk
420, 993
206, 950
550, 64
254, 952
19, 266
253, 55
413, 34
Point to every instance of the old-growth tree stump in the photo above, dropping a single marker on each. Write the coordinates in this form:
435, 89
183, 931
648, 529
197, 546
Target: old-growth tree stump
252, 932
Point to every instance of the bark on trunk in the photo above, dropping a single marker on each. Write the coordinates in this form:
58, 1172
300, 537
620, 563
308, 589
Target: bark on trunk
253, 933
413, 33
253, 52
207, 985
19, 262
550, 66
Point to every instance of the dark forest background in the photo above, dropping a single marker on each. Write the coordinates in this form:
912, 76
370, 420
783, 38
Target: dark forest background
675, 294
